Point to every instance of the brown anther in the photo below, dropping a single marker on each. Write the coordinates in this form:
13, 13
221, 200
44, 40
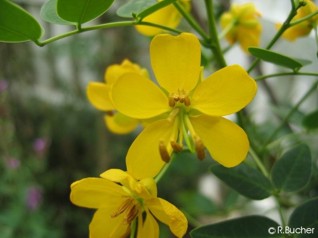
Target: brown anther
123, 207
176, 146
110, 113
172, 102
131, 214
164, 152
187, 101
199, 148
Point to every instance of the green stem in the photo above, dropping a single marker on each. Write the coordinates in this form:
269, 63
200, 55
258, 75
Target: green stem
303, 19
291, 112
214, 42
227, 29
103, 26
83, 29
262, 77
280, 211
163, 170
192, 22
258, 162
133, 228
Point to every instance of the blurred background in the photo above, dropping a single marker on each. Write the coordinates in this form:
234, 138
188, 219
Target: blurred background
50, 135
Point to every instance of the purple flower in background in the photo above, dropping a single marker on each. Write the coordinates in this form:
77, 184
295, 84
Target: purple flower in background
12, 163
39, 145
33, 197
3, 85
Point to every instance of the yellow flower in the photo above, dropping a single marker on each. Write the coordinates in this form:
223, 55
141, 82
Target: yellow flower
121, 200
242, 25
305, 27
99, 94
191, 108
167, 16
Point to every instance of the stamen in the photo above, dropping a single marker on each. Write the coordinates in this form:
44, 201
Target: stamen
110, 113
187, 101
172, 102
199, 147
181, 96
125, 205
131, 214
164, 152
176, 146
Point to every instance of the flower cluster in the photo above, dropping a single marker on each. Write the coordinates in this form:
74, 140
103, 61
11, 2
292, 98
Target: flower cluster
180, 109
241, 24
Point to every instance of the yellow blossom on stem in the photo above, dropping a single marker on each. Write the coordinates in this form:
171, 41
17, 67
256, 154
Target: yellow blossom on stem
304, 27
123, 202
167, 16
241, 24
99, 94
191, 108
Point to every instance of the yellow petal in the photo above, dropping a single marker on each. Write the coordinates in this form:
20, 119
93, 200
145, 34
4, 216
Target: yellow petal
249, 37
104, 225
138, 97
122, 177
225, 20
99, 96
169, 215
96, 193
150, 185
226, 142
115, 175
148, 228
226, 91
113, 72
167, 16
176, 61
120, 124
143, 158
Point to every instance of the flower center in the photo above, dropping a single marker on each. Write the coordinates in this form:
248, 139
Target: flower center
179, 97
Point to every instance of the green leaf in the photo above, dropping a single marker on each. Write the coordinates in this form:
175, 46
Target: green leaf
278, 59
244, 179
306, 216
81, 11
293, 170
195, 203
16, 24
49, 13
154, 8
244, 227
134, 7
311, 120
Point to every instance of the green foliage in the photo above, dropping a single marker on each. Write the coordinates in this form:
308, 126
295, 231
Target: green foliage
243, 227
196, 204
278, 59
16, 24
245, 179
311, 120
293, 170
141, 8
134, 7
49, 13
81, 11
306, 216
